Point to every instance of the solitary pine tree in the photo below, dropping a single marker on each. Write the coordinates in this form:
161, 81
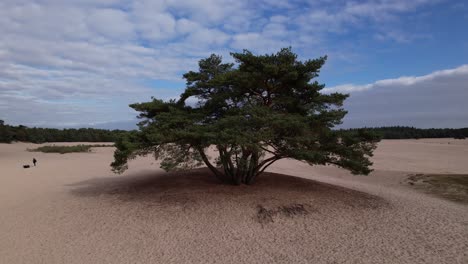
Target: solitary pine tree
249, 115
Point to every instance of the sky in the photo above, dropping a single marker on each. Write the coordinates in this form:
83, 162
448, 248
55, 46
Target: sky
80, 63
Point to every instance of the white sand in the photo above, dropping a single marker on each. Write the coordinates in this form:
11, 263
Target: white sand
72, 209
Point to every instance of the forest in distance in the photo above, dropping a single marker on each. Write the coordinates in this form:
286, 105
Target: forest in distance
9, 133
405, 132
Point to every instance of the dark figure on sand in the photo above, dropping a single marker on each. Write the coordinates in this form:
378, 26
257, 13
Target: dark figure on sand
34, 162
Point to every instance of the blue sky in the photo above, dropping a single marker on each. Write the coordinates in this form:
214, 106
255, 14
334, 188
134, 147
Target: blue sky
80, 63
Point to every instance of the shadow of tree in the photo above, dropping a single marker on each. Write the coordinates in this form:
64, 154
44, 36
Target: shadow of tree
199, 187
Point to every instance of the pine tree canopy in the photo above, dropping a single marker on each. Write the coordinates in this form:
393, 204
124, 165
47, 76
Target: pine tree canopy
240, 118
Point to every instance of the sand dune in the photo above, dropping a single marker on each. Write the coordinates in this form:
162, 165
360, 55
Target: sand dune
72, 209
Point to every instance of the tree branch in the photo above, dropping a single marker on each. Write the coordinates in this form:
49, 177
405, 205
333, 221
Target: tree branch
268, 165
274, 158
267, 150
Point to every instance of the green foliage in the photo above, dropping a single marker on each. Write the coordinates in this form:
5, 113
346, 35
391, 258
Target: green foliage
6, 135
265, 109
40, 135
67, 149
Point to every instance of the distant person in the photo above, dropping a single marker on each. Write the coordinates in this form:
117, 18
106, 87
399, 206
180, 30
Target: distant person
34, 162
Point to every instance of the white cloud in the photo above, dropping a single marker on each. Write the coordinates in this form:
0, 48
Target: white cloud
111, 23
185, 26
404, 81
155, 26
344, 15
434, 100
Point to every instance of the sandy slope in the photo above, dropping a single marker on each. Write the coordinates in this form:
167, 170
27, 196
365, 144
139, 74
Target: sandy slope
72, 209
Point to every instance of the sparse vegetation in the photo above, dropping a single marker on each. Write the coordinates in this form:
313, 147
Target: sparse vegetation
67, 149
453, 187
265, 216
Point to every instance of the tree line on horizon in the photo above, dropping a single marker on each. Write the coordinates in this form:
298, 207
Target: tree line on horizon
21, 133
404, 132
9, 133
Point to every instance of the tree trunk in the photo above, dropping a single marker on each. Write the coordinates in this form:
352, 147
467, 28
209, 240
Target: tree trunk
252, 171
246, 168
215, 171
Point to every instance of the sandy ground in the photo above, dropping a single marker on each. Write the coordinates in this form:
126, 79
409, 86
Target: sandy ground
72, 209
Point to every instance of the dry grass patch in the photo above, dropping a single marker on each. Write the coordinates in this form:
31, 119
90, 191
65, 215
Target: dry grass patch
453, 187
265, 216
